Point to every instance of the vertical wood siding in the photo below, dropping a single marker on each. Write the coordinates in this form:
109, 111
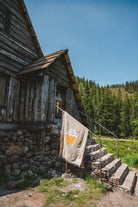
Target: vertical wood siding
12, 100
44, 98
52, 93
34, 94
71, 105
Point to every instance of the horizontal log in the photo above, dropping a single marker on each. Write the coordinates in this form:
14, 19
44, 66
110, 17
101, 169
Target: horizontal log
59, 80
17, 46
11, 56
5, 126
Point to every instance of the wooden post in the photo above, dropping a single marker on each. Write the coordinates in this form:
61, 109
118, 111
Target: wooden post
66, 167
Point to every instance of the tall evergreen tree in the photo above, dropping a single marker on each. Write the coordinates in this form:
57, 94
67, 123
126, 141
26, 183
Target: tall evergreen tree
126, 124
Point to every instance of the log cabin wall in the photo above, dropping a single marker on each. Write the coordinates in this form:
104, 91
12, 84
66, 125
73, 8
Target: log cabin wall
9, 98
33, 96
71, 106
17, 44
58, 71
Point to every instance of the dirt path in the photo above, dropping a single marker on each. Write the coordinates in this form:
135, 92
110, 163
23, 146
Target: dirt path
23, 199
127, 140
35, 199
118, 199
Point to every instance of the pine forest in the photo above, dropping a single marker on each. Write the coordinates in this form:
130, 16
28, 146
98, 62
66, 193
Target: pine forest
115, 107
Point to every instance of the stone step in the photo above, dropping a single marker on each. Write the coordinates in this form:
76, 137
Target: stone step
92, 148
136, 187
104, 161
109, 169
90, 142
119, 175
95, 155
129, 182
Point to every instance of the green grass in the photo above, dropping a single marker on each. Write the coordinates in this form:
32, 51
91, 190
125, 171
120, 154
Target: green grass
56, 194
128, 151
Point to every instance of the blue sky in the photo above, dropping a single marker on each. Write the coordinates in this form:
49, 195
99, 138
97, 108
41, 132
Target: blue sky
101, 35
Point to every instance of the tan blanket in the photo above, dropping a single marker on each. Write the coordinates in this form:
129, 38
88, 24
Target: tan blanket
73, 139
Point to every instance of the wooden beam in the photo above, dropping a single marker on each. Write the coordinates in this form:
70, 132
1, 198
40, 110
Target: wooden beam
5, 126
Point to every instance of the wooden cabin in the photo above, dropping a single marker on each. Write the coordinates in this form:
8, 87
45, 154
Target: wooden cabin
30, 81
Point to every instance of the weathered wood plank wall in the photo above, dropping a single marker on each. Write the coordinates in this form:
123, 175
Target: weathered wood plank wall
33, 96
71, 106
17, 47
58, 71
12, 102
52, 92
44, 97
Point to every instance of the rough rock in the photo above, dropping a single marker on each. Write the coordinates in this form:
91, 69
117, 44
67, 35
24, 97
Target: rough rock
25, 149
24, 166
3, 159
16, 172
8, 169
15, 166
16, 150
19, 132
14, 184
47, 139
8, 153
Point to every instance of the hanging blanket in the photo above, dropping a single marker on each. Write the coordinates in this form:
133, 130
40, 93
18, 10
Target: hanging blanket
73, 139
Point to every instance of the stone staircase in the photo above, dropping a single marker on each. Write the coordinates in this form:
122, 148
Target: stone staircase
113, 171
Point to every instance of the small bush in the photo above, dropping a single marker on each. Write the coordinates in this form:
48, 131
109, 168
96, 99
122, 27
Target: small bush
42, 188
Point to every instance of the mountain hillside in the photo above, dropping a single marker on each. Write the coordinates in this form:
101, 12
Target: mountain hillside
115, 106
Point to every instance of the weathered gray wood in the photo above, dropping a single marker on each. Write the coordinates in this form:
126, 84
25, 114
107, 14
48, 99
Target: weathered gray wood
18, 45
10, 99
37, 102
71, 106
31, 101
13, 57
14, 52
51, 108
58, 79
22, 102
2, 90
7, 72
6, 64
44, 97
5, 126
16, 100
59, 74
27, 101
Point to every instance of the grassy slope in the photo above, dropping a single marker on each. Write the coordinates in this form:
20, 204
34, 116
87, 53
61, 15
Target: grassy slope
128, 151
115, 91
60, 193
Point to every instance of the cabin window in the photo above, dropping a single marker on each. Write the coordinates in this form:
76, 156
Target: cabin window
5, 17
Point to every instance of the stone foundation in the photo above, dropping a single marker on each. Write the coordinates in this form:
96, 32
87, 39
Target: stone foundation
22, 151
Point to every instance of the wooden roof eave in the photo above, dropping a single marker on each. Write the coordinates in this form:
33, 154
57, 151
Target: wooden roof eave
35, 66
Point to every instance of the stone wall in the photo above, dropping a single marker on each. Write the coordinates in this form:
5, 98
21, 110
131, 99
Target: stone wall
21, 151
